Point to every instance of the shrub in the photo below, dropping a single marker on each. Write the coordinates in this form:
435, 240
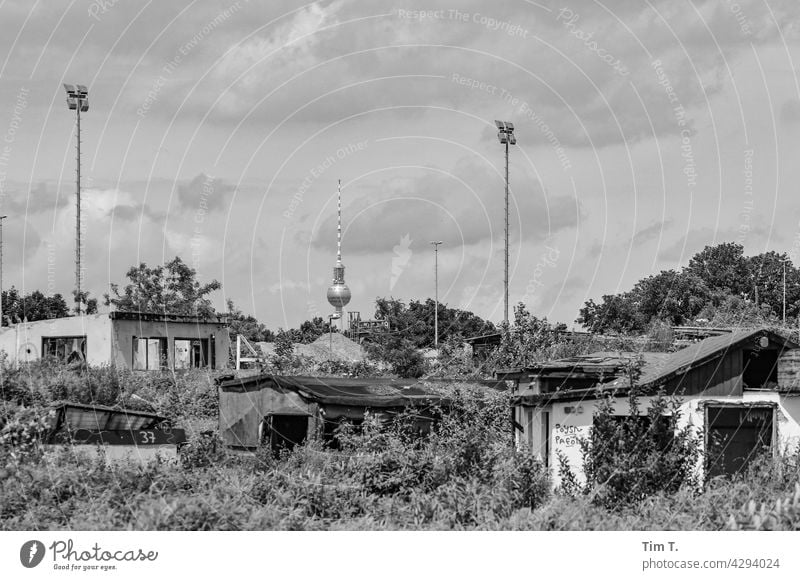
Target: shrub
629, 458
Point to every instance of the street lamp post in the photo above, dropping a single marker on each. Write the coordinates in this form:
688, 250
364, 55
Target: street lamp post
436, 294
78, 100
331, 318
2, 217
505, 133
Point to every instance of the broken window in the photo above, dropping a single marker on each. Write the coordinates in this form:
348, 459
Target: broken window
284, 431
191, 353
760, 368
149, 354
735, 435
65, 348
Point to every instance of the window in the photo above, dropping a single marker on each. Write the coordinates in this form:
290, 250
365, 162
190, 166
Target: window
191, 353
760, 368
149, 354
66, 348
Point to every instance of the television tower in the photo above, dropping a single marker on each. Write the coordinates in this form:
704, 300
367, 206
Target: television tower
338, 293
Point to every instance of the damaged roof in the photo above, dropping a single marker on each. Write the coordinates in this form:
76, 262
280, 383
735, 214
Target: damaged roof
101, 418
656, 368
357, 392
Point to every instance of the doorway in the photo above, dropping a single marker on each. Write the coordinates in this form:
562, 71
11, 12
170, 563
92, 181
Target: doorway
736, 435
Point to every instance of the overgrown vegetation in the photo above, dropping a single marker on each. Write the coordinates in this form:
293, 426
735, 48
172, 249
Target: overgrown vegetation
719, 285
464, 475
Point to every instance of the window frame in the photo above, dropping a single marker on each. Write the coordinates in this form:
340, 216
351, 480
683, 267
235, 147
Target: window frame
83, 350
206, 345
163, 352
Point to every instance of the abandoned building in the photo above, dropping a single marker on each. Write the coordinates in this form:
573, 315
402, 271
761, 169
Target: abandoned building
739, 391
284, 411
132, 340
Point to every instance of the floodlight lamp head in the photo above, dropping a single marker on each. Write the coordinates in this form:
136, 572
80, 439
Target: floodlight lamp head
503, 137
84, 105
512, 140
500, 125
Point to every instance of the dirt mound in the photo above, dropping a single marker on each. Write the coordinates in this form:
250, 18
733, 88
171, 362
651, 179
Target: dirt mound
326, 347
342, 347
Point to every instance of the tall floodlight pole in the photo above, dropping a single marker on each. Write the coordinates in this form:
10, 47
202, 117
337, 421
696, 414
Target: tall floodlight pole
505, 133
78, 99
436, 293
2, 217
784, 290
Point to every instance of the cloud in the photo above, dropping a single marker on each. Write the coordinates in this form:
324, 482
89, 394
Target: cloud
204, 193
790, 112
462, 207
650, 232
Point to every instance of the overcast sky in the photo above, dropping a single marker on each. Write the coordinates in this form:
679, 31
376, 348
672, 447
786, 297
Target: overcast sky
218, 130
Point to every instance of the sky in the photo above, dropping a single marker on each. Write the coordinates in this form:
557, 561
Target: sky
217, 132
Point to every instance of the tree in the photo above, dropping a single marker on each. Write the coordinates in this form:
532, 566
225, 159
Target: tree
415, 321
172, 288
31, 307
312, 329
284, 349
247, 325
89, 305
719, 282
526, 341
723, 268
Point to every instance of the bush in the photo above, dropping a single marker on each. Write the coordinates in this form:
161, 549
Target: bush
627, 459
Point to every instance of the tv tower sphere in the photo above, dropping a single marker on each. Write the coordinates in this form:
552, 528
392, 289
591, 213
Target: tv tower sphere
338, 293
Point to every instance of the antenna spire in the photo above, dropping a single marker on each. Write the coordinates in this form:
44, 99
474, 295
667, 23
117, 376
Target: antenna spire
339, 227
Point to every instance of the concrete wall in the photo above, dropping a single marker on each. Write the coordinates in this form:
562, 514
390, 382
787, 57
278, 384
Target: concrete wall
109, 341
23, 342
125, 330
571, 421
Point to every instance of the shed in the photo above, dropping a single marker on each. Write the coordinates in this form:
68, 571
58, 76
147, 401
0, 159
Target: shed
283, 411
738, 390
123, 433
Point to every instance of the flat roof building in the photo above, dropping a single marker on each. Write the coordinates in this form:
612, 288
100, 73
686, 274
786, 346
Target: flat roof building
131, 340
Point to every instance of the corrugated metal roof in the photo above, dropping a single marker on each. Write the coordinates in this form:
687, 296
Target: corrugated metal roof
681, 361
99, 417
656, 369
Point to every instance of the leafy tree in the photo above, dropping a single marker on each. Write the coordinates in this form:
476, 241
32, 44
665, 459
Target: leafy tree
88, 305
526, 341
311, 330
719, 282
415, 321
31, 307
247, 325
172, 288
399, 353
616, 313
723, 268
284, 349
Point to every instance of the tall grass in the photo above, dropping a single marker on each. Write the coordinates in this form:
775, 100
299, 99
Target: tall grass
464, 475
